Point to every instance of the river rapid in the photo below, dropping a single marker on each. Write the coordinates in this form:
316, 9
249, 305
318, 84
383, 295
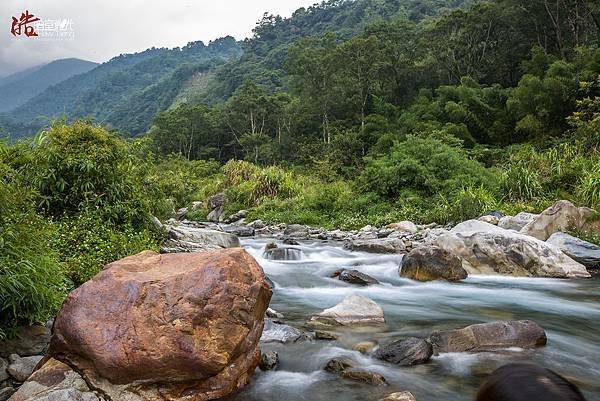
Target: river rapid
569, 311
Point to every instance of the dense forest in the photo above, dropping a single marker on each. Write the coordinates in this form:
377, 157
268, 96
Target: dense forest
346, 114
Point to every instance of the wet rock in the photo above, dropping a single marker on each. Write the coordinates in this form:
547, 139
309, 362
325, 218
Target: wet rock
364, 347
561, 216
269, 360
488, 249
401, 396
354, 310
339, 365
382, 245
354, 277
325, 335
236, 217
6, 393
363, 376
272, 313
584, 252
20, 368
207, 307
216, 205
296, 231
404, 226
432, 263
405, 352
279, 332
30, 340
283, 253
517, 222
240, 231
191, 239
55, 381
290, 241
489, 336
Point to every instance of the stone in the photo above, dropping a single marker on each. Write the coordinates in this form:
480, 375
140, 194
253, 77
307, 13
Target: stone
166, 326
237, 216
181, 213
354, 277
6, 393
364, 347
3, 372
28, 341
283, 253
338, 365
257, 224
364, 376
354, 310
489, 219
240, 231
279, 332
268, 360
496, 213
191, 239
489, 337
296, 231
54, 381
272, 313
517, 222
380, 245
216, 205
432, 263
368, 228
488, 249
20, 368
405, 352
561, 216
401, 396
325, 335
290, 241
584, 252
404, 226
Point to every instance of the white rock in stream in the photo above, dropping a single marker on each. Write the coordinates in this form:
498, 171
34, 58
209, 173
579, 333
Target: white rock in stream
354, 310
488, 249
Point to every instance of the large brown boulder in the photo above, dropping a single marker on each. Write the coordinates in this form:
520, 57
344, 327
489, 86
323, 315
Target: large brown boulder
561, 216
489, 336
162, 327
432, 263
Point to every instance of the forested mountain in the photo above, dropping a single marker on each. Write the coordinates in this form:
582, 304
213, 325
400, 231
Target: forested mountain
18, 88
110, 92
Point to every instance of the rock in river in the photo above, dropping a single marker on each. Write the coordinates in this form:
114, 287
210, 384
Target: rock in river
283, 253
354, 310
401, 396
279, 332
405, 352
432, 263
584, 252
191, 239
354, 277
155, 327
485, 248
381, 245
489, 336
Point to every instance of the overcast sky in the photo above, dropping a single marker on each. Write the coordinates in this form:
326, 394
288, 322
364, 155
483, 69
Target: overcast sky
106, 28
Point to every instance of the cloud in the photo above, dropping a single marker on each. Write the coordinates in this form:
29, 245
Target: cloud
104, 29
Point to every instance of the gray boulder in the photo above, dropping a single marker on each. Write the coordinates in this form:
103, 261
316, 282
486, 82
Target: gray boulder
489, 337
561, 216
403, 226
279, 332
29, 340
296, 231
191, 239
54, 381
584, 252
240, 231
216, 205
517, 222
338, 365
268, 360
432, 263
485, 248
20, 368
354, 277
405, 352
283, 253
354, 310
380, 245
237, 216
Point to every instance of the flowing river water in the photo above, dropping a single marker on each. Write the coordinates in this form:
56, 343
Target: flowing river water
569, 311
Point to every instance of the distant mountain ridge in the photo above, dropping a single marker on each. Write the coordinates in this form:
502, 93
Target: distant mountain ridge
17, 89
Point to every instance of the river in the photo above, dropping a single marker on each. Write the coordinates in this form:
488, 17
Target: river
569, 311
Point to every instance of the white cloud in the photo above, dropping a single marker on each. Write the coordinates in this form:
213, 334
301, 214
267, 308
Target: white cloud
104, 29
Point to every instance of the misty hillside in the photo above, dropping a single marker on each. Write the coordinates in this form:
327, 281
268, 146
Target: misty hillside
18, 88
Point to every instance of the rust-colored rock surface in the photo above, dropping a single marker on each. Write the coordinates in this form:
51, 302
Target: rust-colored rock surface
166, 327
